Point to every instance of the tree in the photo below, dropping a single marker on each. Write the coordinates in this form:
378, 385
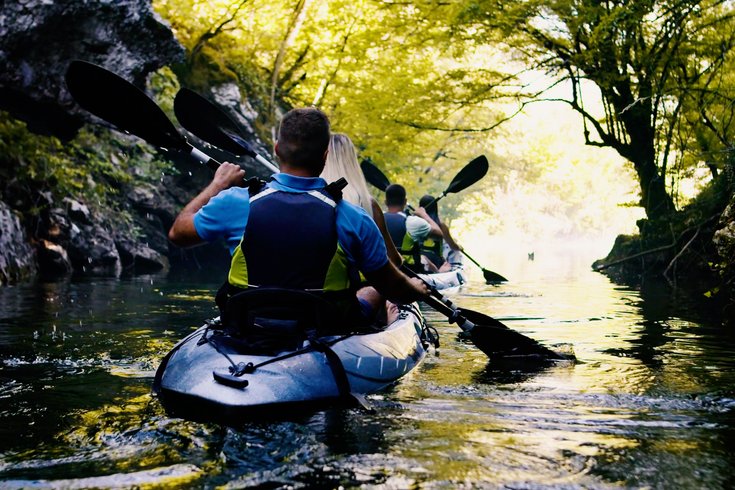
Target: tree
386, 73
647, 58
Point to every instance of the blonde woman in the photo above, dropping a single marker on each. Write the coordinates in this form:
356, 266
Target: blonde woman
342, 162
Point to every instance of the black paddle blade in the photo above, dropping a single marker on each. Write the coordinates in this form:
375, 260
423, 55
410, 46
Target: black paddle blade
471, 173
117, 101
374, 175
497, 340
492, 277
209, 123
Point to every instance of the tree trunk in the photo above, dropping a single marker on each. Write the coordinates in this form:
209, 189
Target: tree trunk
636, 114
654, 198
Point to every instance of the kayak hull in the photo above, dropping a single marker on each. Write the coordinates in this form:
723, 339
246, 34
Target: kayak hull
445, 280
186, 384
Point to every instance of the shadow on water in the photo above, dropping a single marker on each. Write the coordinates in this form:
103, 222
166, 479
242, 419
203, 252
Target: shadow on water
513, 371
669, 317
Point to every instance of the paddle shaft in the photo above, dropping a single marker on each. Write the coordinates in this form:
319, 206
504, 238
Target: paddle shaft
203, 158
453, 316
435, 200
441, 303
473, 260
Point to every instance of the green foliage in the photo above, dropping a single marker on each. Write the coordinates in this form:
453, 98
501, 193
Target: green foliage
164, 85
387, 74
92, 167
663, 70
421, 87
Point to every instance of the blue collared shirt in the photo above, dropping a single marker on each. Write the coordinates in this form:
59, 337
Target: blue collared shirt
225, 216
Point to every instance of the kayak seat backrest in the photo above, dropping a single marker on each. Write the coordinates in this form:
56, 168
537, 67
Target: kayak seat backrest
277, 318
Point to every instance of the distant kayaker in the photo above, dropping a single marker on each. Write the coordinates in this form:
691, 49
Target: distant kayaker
439, 249
293, 234
408, 232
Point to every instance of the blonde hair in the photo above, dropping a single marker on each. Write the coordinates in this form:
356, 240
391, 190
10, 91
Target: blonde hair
342, 162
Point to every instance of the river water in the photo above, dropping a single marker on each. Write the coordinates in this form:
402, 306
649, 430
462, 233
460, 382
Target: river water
649, 404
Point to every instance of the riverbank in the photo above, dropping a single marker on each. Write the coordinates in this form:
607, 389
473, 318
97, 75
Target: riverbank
693, 250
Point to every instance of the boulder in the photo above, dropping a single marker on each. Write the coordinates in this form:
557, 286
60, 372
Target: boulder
77, 211
17, 258
39, 38
92, 251
138, 258
150, 199
53, 260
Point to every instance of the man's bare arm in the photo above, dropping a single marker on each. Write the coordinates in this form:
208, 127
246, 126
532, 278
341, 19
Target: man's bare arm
448, 237
182, 232
435, 231
379, 219
395, 285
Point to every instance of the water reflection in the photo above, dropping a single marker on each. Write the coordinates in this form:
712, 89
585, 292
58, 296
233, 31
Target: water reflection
649, 403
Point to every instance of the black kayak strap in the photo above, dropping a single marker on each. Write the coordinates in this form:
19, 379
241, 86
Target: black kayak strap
335, 364
315, 344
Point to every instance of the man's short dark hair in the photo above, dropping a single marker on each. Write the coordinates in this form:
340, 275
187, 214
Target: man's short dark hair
395, 195
303, 138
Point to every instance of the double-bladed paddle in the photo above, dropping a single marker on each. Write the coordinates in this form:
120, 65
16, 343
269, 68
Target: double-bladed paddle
119, 102
211, 124
488, 334
471, 173
374, 175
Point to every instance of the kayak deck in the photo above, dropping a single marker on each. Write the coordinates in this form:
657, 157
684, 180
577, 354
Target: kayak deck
196, 377
453, 278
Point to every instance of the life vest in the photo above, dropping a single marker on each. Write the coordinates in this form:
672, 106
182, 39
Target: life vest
290, 241
433, 244
409, 249
433, 247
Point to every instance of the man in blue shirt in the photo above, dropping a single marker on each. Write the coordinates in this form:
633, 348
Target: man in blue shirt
294, 234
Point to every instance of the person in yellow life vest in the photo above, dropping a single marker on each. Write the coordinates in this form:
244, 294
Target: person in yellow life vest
443, 251
295, 234
408, 232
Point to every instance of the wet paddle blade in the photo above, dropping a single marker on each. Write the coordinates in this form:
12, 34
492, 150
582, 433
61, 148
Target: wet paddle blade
493, 277
374, 175
119, 102
497, 340
471, 173
209, 123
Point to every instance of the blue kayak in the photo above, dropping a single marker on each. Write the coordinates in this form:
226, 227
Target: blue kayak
213, 375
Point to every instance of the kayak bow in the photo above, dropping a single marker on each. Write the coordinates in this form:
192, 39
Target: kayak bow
211, 375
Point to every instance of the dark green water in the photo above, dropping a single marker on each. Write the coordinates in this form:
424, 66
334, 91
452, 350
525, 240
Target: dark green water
651, 403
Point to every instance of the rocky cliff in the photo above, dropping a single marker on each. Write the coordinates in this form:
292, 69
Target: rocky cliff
49, 230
